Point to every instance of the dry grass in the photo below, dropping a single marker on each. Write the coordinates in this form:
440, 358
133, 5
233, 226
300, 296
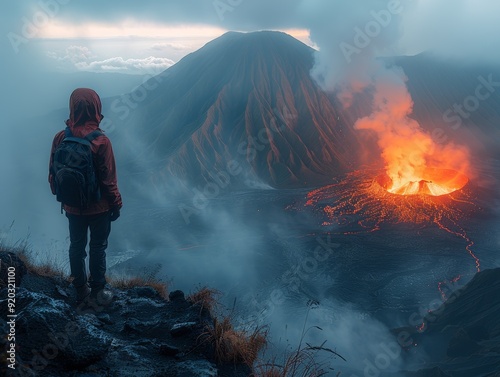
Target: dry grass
53, 268
227, 344
22, 248
234, 346
301, 363
206, 297
45, 269
131, 282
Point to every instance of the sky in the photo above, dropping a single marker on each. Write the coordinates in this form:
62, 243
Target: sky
130, 37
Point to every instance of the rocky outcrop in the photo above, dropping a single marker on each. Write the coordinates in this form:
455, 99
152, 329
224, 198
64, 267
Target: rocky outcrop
138, 334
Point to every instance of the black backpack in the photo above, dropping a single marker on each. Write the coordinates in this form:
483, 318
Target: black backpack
75, 177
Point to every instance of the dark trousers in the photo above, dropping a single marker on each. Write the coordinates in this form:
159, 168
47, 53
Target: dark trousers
100, 227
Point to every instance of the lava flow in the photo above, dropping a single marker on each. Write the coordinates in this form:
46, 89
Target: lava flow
362, 202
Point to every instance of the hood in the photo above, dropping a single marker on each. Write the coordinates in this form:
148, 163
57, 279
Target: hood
84, 106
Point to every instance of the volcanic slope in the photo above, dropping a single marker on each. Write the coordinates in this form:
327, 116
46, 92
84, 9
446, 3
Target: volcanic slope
462, 337
245, 99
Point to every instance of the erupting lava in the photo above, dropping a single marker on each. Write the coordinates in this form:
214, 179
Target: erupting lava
432, 181
407, 150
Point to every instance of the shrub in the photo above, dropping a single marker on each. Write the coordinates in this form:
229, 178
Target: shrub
206, 297
234, 346
301, 363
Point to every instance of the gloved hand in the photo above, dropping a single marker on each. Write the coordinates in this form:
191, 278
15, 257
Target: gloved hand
114, 213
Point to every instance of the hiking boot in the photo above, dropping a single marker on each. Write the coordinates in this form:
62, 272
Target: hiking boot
101, 296
82, 293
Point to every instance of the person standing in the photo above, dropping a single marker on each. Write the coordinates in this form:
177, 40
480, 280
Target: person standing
82, 174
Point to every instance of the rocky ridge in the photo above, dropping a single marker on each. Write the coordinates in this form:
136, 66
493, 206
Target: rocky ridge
138, 333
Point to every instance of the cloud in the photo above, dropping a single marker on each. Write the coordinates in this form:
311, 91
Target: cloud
149, 65
465, 30
83, 59
166, 46
131, 29
236, 14
73, 54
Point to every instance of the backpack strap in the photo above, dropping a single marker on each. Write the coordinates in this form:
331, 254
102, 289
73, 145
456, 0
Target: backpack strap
93, 135
82, 140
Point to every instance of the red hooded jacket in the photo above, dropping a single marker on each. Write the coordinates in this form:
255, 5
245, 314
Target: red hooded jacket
85, 116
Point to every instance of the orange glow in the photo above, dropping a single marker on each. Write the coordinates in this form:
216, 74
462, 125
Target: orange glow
432, 181
128, 28
414, 162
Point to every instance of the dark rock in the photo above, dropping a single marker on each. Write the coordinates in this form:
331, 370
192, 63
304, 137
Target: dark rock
198, 368
92, 319
142, 305
180, 329
10, 259
132, 325
149, 292
478, 333
462, 346
180, 355
51, 327
105, 318
168, 350
4, 328
62, 291
176, 296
